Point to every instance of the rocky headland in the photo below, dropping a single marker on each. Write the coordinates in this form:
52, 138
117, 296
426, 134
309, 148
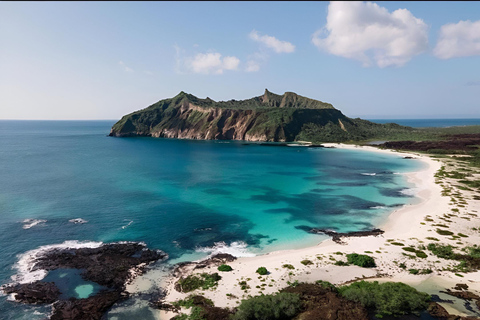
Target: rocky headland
269, 117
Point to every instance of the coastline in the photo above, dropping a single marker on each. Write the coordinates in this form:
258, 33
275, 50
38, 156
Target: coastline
406, 225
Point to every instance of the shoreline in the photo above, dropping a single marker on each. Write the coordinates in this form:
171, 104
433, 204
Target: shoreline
405, 224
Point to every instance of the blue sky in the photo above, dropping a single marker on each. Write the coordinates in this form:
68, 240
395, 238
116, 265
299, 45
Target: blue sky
101, 60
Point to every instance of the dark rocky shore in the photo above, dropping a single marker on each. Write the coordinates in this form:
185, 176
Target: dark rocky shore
109, 265
337, 236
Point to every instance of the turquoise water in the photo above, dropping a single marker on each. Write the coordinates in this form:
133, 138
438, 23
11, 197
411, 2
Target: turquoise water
188, 198
71, 284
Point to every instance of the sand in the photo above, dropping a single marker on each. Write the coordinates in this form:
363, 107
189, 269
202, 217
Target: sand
409, 225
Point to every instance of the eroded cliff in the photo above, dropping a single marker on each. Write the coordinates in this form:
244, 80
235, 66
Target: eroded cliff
269, 117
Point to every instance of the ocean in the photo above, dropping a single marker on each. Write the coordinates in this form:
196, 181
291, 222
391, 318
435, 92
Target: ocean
188, 198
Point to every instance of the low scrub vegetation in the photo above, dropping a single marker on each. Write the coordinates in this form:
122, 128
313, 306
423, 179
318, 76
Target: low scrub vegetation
225, 268
361, 260
387, 299
202, 281
282, 305
262, 271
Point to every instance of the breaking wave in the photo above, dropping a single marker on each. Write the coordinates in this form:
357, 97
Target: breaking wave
236, 249
26, 261
409, 192
28, 223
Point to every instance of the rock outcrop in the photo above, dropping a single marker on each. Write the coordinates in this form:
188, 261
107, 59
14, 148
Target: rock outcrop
110, 265
270, 117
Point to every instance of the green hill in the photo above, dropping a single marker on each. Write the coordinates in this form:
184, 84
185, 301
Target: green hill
269, 117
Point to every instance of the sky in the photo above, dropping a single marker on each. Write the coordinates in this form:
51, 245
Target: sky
102, 60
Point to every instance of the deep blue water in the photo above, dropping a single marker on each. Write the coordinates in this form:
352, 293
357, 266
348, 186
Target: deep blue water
422, 123
185, 197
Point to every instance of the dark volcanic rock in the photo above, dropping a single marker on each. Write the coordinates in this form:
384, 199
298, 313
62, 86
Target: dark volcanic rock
91, 308
337, 236
36, 292
461, 286
467, 295
217, 259
437, 311
107, 265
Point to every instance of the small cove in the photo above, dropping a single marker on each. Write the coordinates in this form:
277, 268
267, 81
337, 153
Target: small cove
188, 198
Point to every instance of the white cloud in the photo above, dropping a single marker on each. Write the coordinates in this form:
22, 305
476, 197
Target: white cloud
125, 68
205, 63
252, 66
255, 60
231, 63
212, 62
365, 31
458, 40
277, 45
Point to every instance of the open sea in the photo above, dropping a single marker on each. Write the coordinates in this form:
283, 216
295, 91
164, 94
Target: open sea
188, 198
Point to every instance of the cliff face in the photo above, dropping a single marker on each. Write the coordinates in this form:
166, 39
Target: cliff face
269, 117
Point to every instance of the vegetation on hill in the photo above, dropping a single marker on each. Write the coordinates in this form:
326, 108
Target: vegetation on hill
270, 117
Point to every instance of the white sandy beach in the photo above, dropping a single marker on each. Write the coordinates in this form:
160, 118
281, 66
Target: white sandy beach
409, 225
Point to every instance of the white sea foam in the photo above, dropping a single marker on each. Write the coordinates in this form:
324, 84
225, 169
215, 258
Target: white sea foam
378, 207
409, 191
27, 260
78, 221
28, 223
236, 249
128, 224
368, 174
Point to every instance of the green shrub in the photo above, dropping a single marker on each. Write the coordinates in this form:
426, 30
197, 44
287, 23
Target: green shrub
389, 298
421, 254
262, 271
244, 285
361, 260
306, 262
326, 285
397, 244
341, 263
193, 282
282, 305
288, 266
413, 271
442, 251
192, 300
444, 232
409, 249
474, 252
426, 271
225, 268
